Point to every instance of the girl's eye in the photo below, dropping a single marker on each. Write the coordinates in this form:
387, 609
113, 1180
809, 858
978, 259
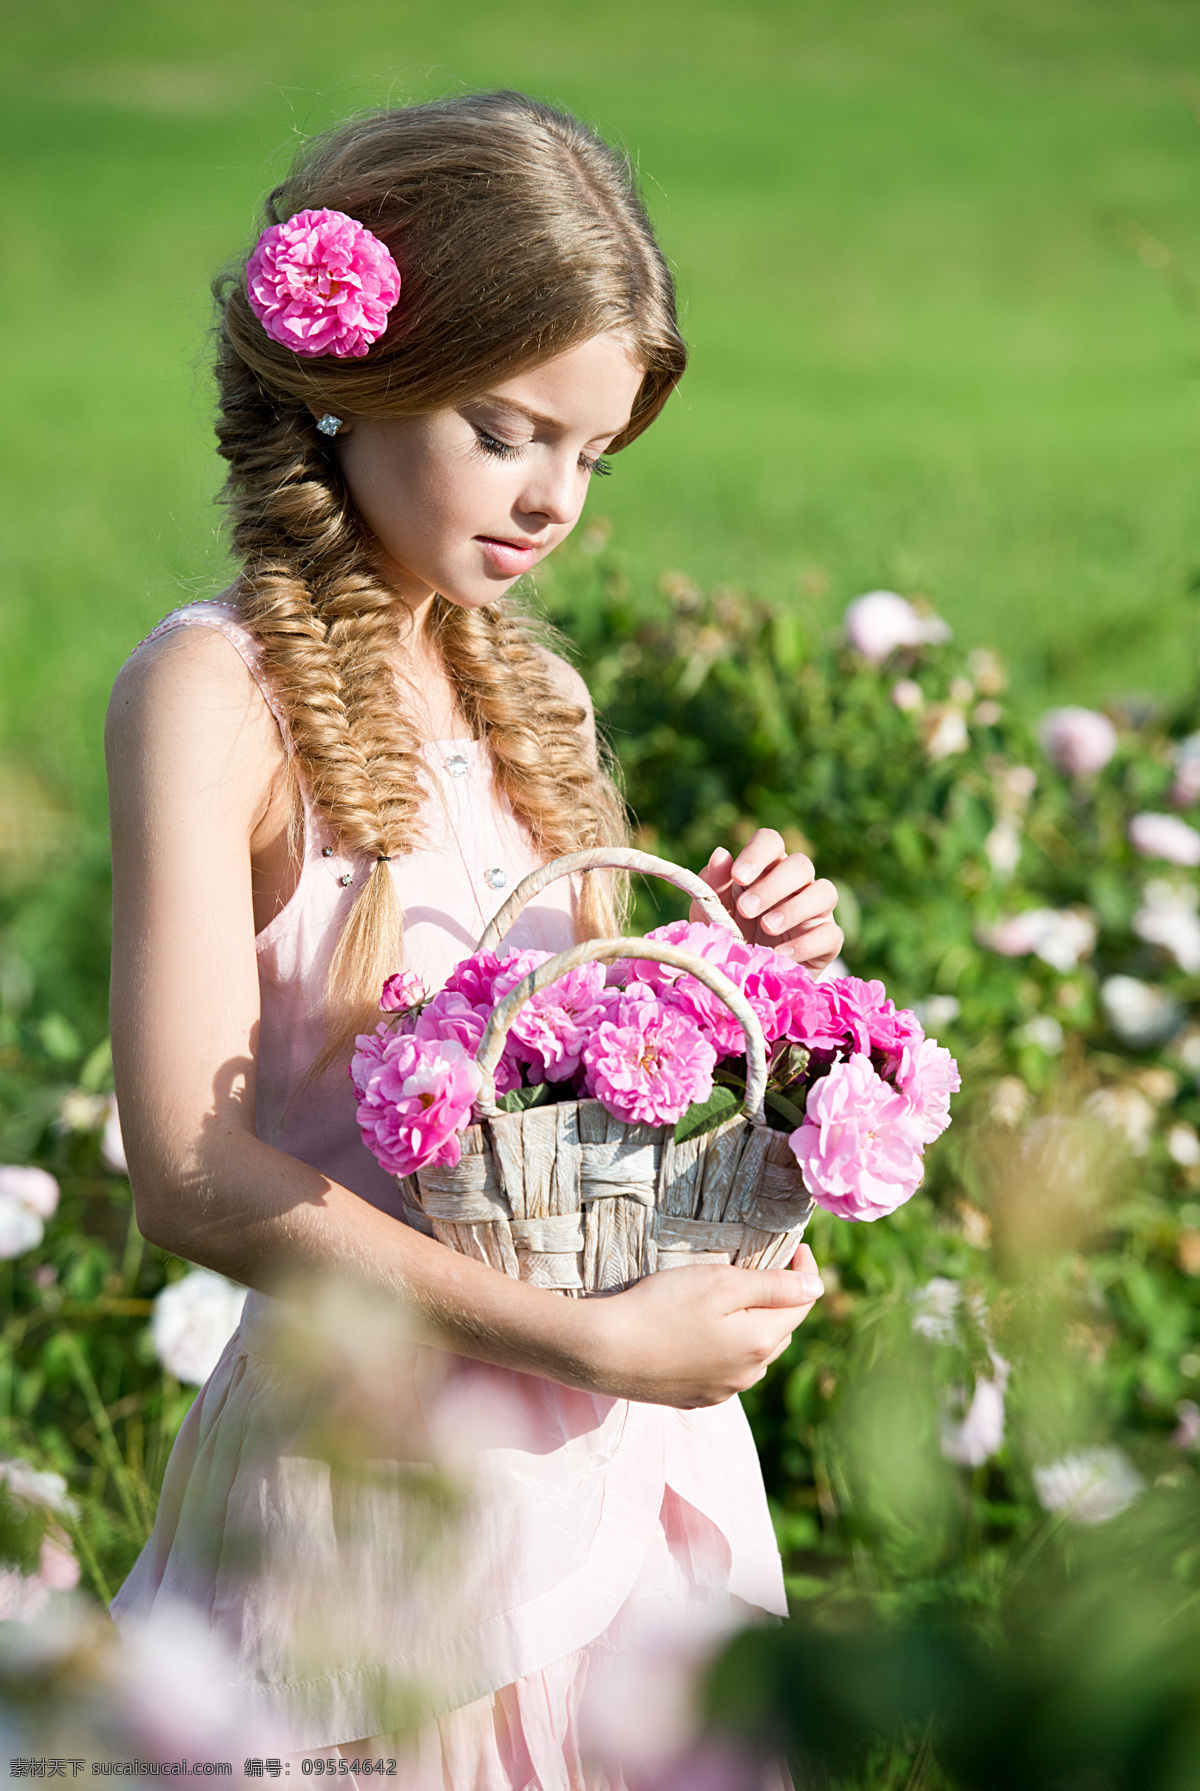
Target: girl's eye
492, 445
599, 466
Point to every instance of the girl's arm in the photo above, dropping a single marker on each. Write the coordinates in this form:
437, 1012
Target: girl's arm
196, 773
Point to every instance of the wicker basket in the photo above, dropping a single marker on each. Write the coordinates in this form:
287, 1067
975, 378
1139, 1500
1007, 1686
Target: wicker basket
567, 1197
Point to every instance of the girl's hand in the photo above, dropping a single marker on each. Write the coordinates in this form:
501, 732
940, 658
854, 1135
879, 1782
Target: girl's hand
696, 1336
777, 899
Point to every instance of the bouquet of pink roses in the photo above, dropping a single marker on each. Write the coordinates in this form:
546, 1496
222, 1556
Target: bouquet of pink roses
853, 1080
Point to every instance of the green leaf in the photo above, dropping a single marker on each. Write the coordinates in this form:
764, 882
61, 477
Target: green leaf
542, 1094
702, 1116
782, 1105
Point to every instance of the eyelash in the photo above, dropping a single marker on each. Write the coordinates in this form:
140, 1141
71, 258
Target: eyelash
509, 451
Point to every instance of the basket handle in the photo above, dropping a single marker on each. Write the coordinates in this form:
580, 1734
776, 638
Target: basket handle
606, 858
592, 951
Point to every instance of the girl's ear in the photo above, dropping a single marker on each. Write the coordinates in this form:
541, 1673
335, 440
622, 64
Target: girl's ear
327, 423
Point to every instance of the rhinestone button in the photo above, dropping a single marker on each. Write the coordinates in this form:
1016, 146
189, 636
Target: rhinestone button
496, 878
457, 765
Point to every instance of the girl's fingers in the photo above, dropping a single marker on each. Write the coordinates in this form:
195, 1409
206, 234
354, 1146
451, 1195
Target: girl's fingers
815, 947
762, 852
815, 903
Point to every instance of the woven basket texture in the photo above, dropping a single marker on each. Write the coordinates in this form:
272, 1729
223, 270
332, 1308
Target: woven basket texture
568, 1197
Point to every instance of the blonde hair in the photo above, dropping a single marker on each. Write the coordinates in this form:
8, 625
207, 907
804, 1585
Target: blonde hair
519, 234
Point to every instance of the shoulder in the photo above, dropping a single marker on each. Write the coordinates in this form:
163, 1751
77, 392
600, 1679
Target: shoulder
186, 707
566, 680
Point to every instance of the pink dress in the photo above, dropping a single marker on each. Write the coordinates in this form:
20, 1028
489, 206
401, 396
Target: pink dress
596, 1511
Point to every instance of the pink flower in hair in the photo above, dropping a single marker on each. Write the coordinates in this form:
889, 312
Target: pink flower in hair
927, 1077
859, 1148
321, 283
414, 1098
648, 1062
401, 992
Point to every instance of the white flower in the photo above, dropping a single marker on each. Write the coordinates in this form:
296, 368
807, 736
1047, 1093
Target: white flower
20, 1228
1009, 1102
1139, 1013
882, 621
1187, 1432
937, 1011
112, 1147
1125, 1111
1186, 788
1168, 917
1183, 1144
36, 1486
193, 1321
1164, 836
981, 1432
1078, 741
908, 695
1042, 1030
82, 1112
936, 1308
944, 731
1003, 849
36, 1188
1089, 1487
1059, 936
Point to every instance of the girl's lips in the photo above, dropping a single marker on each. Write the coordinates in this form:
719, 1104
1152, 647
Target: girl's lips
508, 557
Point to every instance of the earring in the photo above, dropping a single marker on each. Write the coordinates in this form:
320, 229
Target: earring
329, 424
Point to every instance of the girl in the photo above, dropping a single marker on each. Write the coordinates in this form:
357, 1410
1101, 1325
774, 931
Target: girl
339, 767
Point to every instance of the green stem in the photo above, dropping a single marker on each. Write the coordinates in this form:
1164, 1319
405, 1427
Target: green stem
107, 1437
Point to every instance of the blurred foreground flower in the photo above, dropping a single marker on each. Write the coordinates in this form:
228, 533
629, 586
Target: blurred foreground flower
877, 624
193, 1321
980, 1433
1125, 1111
1089, 1487
28, 1196
1078, 741
1140, 1014
1168, 917
1165, 836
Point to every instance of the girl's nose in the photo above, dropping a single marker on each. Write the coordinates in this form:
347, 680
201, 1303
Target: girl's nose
553, 490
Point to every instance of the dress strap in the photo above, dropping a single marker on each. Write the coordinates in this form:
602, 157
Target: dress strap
213, 613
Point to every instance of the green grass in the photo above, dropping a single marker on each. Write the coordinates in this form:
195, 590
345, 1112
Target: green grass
927, 350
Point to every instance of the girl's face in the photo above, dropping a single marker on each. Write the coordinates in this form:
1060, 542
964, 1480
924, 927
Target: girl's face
463, 501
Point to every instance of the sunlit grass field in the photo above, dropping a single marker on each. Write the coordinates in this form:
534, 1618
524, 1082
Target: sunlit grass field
936, 260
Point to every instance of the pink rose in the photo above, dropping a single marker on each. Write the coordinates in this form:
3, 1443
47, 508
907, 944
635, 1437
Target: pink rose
1078, 741
414, 1097
550, 1030
648, 1063
451, 1016
321, 283
868, 1022
927, 1077
877, 624
1165, 836
476, 977
401, 992
859, 1148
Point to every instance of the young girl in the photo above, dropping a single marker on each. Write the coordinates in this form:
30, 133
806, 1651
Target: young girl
341, 766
